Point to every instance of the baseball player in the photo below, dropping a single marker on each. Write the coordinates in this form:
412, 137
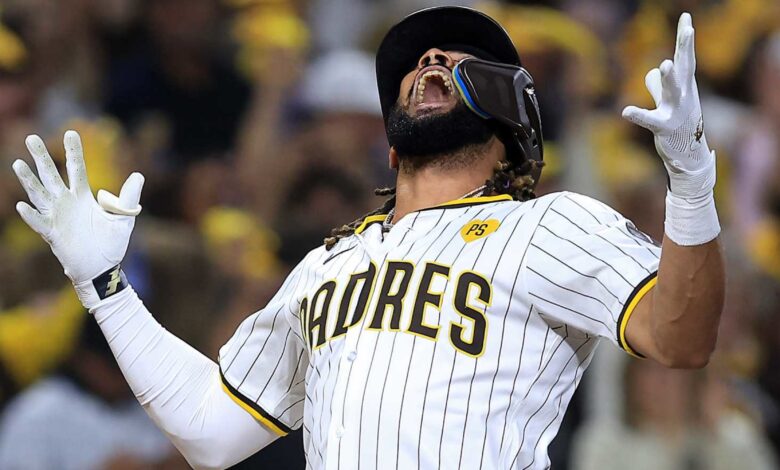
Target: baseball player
450, 327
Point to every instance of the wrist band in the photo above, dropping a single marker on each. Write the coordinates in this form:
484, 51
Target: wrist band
103, 286
691, 221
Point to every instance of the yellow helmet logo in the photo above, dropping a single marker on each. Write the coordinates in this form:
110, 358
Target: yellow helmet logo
477, 229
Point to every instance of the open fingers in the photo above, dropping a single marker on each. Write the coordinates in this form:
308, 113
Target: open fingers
684, 53
653, 84
47, 171
38, 195
130, 195
642, 117
670, 82
33, 218
74, 163
683, 25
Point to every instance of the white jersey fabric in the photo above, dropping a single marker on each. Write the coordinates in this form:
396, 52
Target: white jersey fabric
454, 340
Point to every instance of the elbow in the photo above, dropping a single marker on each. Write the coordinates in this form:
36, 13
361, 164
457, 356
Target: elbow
691, 357
688, 346
203, 447
697, 360
200, 456
211, 463
206, 457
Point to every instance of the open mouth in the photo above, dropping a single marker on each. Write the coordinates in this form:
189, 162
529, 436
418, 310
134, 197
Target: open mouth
434, 89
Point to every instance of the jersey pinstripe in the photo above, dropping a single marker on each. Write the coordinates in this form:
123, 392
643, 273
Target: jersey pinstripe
454, 340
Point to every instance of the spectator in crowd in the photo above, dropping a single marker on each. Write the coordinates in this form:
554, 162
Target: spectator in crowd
757, 173
673, 420
179, 73
177, 89
84, 417
342, 128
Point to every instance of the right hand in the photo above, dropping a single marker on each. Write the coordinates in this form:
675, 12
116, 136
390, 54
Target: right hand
87, 236
677, 120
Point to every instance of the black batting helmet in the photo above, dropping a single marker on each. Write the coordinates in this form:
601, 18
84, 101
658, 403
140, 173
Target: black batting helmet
462, 29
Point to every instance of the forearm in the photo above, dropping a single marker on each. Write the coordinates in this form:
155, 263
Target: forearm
179, 387
687, 303
677, 323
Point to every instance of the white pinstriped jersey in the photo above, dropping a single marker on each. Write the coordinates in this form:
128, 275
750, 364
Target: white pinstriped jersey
455, 340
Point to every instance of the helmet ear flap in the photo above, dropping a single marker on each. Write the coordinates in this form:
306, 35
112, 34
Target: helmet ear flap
530, 138
534, 116
534, 149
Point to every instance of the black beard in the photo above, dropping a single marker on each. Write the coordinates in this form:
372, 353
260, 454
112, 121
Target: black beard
447, 138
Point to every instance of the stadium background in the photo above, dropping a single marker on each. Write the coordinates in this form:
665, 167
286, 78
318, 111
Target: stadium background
257, 125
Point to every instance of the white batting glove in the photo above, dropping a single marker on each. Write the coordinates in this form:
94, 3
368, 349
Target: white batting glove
88, 237
678, 129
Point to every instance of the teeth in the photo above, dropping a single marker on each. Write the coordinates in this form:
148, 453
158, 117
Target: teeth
431, 73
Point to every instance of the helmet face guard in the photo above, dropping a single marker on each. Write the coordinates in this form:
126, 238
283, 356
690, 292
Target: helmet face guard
505, 93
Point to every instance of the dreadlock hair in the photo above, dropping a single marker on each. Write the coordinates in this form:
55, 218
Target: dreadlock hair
508, 178
347, 230
513, 179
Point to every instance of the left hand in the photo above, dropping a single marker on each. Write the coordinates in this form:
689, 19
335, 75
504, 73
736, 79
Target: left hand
677, 120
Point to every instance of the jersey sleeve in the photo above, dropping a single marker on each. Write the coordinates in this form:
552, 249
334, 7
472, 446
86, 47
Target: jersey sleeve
264, 364
588, 267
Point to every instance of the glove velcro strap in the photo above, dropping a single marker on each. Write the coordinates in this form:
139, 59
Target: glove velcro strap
103, 286
693, 184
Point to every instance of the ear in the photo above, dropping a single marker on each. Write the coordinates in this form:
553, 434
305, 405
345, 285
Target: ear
392, 159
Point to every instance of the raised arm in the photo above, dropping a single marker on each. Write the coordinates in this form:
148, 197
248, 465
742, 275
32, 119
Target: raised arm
180, 388
676, 323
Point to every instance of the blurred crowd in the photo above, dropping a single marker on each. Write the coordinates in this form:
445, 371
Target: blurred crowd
258, 128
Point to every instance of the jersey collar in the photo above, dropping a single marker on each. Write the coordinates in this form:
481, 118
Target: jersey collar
464, 202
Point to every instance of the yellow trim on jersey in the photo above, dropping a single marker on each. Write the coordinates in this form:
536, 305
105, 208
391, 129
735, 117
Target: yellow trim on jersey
254, 412
456, 202
642, 289
475, 200
368, 221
